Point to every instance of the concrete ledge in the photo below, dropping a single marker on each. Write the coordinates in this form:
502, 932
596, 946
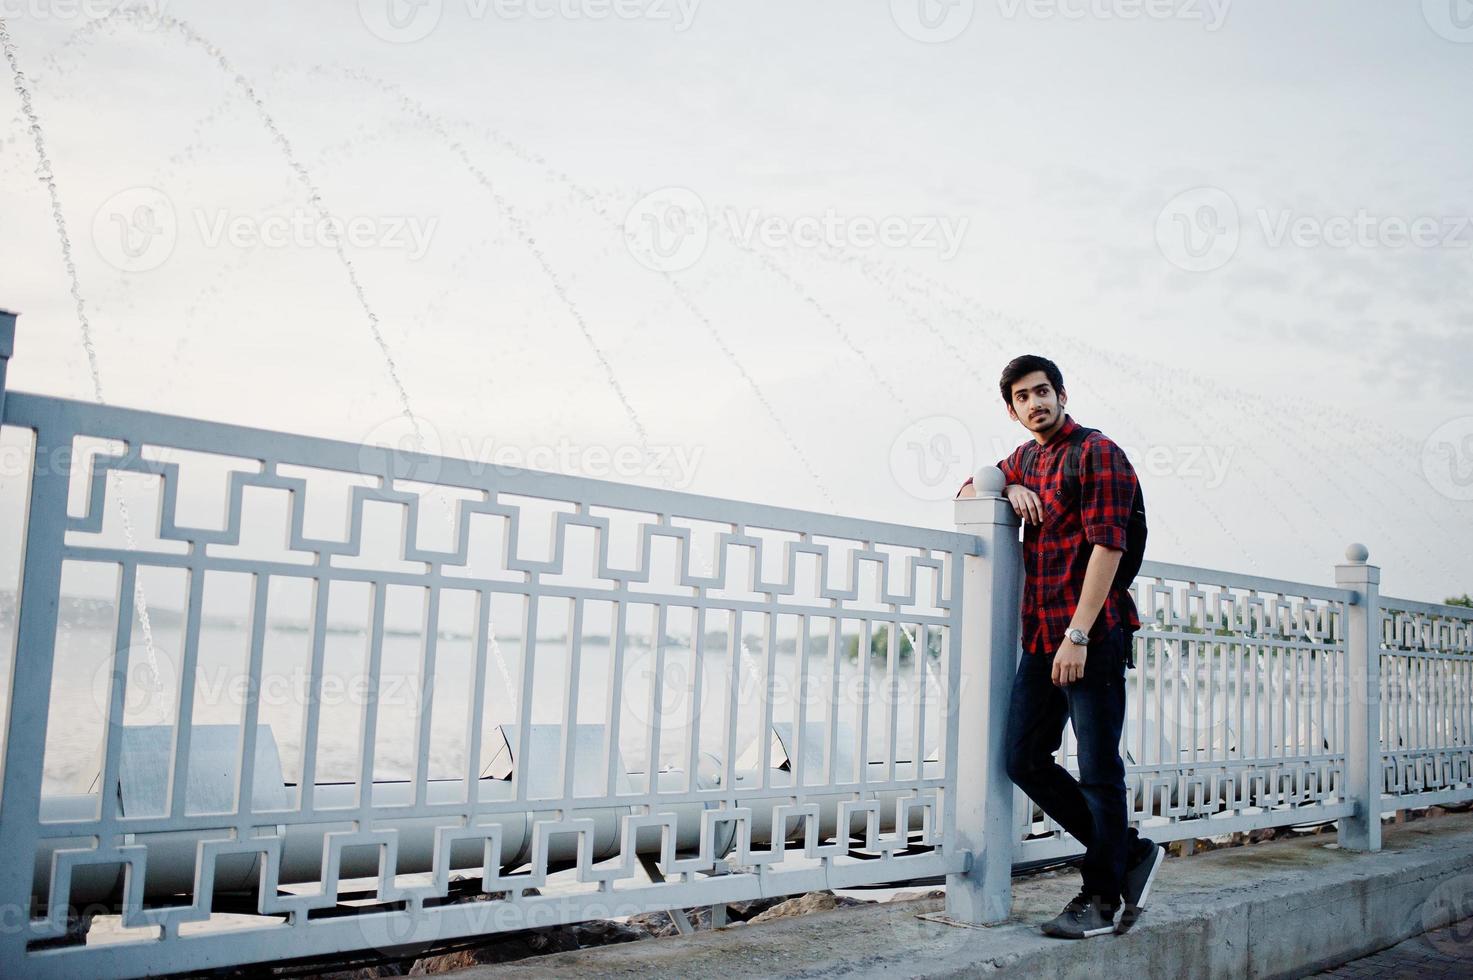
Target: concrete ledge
1279, 909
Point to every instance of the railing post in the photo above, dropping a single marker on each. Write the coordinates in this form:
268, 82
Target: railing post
1364, 779
984, 802
7, 347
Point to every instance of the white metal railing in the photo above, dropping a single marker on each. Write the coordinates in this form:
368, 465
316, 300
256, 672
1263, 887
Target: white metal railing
1236, 711
313, 697
1426, 710
676, 719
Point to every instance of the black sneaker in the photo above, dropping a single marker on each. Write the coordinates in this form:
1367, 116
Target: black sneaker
1136, 887
1083, 917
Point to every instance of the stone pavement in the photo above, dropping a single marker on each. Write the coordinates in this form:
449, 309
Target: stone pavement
1442, 954
1276, 910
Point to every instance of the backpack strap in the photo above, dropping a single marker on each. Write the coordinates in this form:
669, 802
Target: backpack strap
1073, 457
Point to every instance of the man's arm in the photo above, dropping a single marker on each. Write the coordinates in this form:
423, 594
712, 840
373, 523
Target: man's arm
1026, 503
1107, 491
1098, 577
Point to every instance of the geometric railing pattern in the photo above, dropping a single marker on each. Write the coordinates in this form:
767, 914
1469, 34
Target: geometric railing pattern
1235, 709
1426, 720
582, 698
343, 698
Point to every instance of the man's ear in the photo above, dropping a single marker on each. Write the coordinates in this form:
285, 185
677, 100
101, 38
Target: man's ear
1012, 412
1063, 398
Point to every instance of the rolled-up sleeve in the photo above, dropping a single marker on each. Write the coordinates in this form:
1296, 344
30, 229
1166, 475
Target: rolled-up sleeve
1009, 467
1107, 486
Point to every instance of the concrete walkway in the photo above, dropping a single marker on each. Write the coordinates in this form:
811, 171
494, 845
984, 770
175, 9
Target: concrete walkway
1281, 909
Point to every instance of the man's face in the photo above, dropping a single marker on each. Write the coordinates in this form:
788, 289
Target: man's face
1037, 404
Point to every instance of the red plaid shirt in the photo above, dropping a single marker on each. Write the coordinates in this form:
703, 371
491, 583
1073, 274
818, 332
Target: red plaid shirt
1052, 552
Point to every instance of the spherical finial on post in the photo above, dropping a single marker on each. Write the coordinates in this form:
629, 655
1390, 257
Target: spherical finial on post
1358, 553
989, 480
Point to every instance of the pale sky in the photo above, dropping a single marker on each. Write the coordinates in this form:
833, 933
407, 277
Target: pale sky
1242, 227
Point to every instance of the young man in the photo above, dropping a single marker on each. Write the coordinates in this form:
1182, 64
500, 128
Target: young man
1077, 627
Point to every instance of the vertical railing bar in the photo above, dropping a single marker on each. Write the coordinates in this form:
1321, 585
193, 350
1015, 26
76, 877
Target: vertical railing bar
918, 713
521, 763
475, 726
117, 703
1209, 647
892, 710
951, 702
426, 692
1293, 670
616, 699
800, 713
831, 735
733, 694
184, 715
1191, 652
1178, 671
861, 748
570, 699
1322, 696
698, 675
1260, 674
1158, 670
657, 690
1144, 675
250, 722
368, 725
769, 665
306, 792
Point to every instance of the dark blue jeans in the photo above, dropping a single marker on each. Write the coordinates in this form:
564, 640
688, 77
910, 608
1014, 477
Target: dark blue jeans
1092, 808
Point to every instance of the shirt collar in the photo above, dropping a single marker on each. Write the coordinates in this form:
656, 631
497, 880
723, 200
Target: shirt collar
1064, 431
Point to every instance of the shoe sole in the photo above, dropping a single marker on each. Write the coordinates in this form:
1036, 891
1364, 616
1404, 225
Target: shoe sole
1088, 933
1134, 911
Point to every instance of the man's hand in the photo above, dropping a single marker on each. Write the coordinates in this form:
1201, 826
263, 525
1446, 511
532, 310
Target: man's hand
1069, 663
1026, 503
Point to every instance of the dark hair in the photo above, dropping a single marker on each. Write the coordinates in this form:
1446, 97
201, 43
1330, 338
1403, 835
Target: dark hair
1021, 367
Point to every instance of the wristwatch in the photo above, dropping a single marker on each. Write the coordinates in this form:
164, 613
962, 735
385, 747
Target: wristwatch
1077, 637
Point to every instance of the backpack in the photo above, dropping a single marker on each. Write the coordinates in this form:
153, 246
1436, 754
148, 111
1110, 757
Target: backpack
1135, 527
